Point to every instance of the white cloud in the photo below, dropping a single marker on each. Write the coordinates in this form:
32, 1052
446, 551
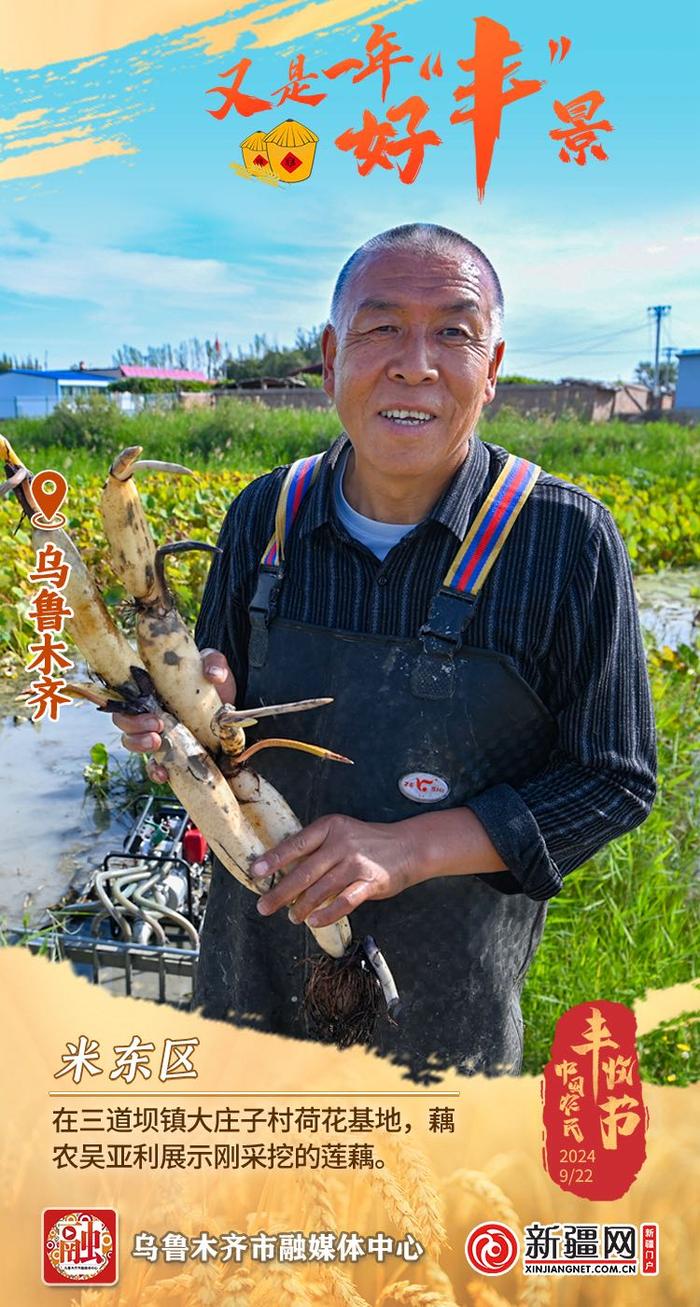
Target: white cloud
99, 274
576, 300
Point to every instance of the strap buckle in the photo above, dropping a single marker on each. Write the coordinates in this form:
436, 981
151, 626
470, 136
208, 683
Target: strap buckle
449, 615
261, 610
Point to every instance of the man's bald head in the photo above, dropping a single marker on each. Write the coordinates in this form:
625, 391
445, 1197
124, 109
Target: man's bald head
425, 238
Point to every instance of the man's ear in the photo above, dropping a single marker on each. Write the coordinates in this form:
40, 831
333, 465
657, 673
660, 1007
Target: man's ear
494, 365
329, 349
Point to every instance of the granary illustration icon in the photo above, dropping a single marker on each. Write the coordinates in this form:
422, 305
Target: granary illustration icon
286, 154
255, 157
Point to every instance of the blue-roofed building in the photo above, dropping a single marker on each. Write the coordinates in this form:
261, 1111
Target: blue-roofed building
688, 383
28, 393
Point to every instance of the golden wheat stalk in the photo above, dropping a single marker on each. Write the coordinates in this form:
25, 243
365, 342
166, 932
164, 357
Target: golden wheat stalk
235, 1292
340, 1289
535, 1293
405, 1294
397, 1204
233, 1295
419, 1219
281, 1286
437, 1279
320, 1209
170, 1288
475, 1186
314, 1285
414, 1172
481, 1295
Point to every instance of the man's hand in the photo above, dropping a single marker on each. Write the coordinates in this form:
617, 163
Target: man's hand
341, 859
141, 733
342, 862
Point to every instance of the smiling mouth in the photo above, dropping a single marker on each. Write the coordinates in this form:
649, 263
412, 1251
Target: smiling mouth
407, 417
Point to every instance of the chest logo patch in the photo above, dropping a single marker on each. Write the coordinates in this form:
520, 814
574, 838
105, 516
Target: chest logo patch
424, 787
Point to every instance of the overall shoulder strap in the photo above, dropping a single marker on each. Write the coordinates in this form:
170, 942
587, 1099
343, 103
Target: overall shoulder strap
299, 479
492, 526
297, 482
453, 605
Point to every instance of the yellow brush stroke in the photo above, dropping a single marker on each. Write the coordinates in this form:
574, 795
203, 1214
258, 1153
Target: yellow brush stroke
79, 29
87, 63
30, 116
275, 25
391, 9
50, 138
59, 157
665, 1005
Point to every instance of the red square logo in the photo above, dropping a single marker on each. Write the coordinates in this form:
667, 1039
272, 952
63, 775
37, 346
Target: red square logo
290, 162
79, 1245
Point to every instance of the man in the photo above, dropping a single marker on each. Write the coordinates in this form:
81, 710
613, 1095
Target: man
475, 623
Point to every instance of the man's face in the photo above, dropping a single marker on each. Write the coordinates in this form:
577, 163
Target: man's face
410, 365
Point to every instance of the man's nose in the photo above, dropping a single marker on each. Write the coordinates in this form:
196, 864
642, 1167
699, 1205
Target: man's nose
413, 361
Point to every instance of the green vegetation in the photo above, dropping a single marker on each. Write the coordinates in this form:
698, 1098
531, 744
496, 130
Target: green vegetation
668, 374
240, 434
8, 362
264, 359
627, 921
96, 771
261, 358
671, 1053
119, 781
155, 386
245, 435
177, 508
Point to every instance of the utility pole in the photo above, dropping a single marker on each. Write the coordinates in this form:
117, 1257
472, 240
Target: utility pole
659, 311
669, 351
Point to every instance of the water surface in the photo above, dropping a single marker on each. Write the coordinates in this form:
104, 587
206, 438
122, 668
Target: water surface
51, 828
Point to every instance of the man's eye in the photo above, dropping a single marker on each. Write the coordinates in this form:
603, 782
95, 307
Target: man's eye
455, 332
385, 328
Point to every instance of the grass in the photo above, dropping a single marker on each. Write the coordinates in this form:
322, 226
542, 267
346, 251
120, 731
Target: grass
251, 438
670, 1054
627, 921
237, 434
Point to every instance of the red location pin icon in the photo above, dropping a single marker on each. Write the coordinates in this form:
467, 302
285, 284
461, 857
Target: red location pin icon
49, 489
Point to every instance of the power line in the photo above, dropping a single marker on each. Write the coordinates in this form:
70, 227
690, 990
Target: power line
586, 348
582, 352
587, 336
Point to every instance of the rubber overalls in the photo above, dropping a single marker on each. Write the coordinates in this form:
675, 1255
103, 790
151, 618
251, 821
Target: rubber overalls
429, 722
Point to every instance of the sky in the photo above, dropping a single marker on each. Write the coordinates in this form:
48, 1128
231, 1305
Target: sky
122, 220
